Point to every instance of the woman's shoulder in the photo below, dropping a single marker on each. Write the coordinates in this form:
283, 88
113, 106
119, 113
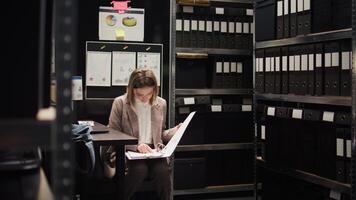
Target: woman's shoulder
161, 101
120, 99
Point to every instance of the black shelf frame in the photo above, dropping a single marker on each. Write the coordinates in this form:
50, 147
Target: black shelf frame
325, 100
214, 51
222, 3
308, 177
214, 147
305, 39
215, 189
213, 92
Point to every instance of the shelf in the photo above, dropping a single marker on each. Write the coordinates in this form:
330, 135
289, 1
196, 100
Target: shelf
326, 100
308, 177
223, 3
310, 38
25, 133
216, 189
213, 91
240, 52
213, 147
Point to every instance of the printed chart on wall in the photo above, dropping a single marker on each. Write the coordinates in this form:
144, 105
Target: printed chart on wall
110, 64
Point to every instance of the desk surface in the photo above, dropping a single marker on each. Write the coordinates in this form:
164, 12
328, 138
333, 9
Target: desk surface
113, 137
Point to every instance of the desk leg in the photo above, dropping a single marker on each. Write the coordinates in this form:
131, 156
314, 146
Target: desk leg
120, 171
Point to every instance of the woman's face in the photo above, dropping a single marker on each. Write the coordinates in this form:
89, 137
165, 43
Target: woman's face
143, 94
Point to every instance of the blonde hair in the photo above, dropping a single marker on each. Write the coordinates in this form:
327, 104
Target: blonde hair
141, 78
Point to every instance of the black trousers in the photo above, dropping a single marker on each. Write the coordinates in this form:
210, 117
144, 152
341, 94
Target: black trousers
156, 170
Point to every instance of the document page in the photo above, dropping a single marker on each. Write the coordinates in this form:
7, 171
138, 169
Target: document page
168, 149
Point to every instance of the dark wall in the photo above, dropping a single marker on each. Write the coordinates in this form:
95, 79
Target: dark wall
157, 29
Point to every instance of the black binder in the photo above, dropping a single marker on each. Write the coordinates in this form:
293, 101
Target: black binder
293, 75
321, 17
345, 77
299, 88
319, 69
186, 30
238, 34
304, 19
269, 73
340, 155
285, 72
231, 33
293, 18
348, 155
240, 74
218, 74
209, 31
341, 14
277, 71
286, 20
309, 50
224, 33
260, 78
265, 18
304, 69
201, 17
194, 31
332, 68
280, 17
179, 28
216, 32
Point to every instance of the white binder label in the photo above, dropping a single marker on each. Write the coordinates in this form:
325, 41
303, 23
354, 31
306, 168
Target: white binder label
186, 25
284, 63
339, 147
268, 64
201, 25
216, 26
327, 59
306, 5
293, 6
311, 62
239, 67
263, 132
272, 64
223, 27
291, 63
188, 9
271, 111
219, 67
345, 60
209, 26
233, 66
261, 64
300, 6
249, 12
279, 8
178, 25
226, 67
335, 59
297, 114
318, 61
328, 116
246, 108
297, 63
304, 62
252, 28
189, 101
335, 195
194, 25
277, 64
231, 27
238, 27
216, 108
286, 7
219, 11
246, 27
348, 148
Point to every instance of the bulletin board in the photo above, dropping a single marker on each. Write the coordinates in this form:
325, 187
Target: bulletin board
108, 66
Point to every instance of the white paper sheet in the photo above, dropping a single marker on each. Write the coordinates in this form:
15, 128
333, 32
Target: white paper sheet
98, 68
151, 61
77, 88
168, 149
123, 64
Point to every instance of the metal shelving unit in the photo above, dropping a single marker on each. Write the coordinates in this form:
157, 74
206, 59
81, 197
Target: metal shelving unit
214, 147
212, 51
325, 100
308, 177
216, 189
305, 39
213, 92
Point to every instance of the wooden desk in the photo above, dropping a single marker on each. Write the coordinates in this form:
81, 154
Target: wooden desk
119, 140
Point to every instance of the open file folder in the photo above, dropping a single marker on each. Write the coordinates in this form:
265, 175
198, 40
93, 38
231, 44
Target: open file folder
168, 149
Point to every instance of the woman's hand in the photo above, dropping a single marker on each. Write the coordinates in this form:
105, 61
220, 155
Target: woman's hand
174, 129
144, 148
